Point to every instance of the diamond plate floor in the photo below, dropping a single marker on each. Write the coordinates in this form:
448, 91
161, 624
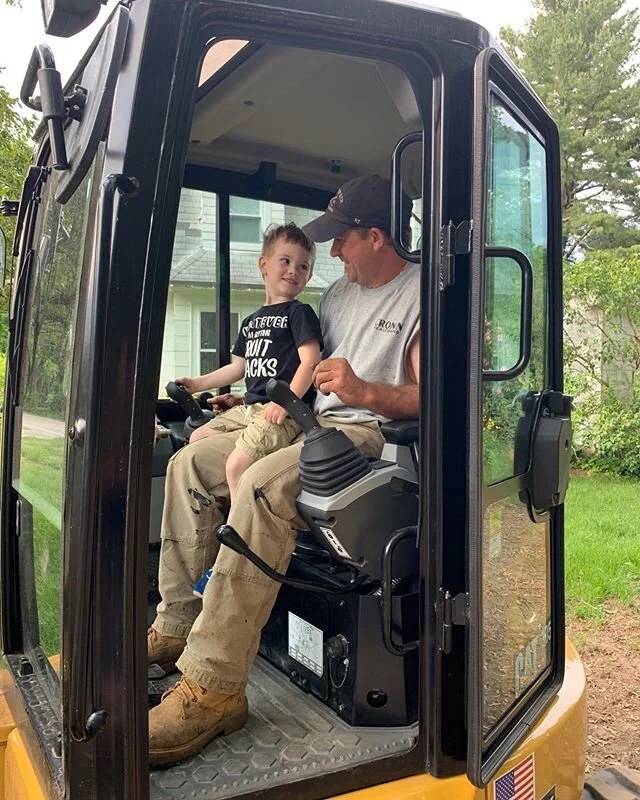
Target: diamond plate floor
277, 746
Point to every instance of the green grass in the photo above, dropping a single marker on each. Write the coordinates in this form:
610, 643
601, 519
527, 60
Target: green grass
41, 466
602, 543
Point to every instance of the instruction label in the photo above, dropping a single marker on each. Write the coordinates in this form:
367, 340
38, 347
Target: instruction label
305, 644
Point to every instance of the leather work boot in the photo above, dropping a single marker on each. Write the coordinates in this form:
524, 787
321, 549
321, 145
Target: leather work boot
188, 717
164, 650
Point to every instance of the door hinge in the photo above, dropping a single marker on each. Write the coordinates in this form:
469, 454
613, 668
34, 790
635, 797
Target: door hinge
455, 240
455, 611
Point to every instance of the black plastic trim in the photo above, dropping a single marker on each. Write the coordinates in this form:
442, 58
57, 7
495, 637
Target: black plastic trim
82, 704
414, 256
223, 284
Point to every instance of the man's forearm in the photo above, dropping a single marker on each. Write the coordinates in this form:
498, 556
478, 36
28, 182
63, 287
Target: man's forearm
394, 402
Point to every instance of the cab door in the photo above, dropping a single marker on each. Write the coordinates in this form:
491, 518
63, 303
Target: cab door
519, 428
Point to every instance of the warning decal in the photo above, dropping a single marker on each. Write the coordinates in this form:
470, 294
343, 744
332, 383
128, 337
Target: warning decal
305, 644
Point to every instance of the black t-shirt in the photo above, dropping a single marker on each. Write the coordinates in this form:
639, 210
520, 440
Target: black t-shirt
269, 340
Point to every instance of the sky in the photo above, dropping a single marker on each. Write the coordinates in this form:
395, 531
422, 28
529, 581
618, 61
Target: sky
21, 29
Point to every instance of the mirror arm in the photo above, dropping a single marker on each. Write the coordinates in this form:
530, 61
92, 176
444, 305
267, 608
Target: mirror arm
42, 71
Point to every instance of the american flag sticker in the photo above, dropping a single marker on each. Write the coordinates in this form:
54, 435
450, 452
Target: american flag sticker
518, 783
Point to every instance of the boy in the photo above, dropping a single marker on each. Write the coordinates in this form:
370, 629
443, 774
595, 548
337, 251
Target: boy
282, 340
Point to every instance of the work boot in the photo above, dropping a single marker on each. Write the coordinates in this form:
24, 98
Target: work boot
188, 717
164, 650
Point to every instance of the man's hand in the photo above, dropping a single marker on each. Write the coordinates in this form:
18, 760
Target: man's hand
275, 413
223, 402
336, 375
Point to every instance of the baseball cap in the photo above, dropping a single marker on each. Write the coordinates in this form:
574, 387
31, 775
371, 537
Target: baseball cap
362, 203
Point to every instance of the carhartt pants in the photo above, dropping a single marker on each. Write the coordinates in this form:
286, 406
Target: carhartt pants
224, 628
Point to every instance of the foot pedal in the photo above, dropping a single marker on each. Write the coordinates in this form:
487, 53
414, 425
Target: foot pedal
158, 683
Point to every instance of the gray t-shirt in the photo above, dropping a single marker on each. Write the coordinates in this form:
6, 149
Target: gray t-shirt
372, 329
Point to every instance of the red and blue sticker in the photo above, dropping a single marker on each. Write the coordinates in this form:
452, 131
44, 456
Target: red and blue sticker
517, 784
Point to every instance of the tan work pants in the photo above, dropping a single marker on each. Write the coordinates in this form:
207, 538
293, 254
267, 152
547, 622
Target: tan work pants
224, 628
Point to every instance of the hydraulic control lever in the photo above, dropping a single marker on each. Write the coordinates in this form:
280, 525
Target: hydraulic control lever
280, 393
196, 415
230, 537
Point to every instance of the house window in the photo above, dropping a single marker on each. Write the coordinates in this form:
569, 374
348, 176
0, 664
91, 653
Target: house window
209, 339
245, 221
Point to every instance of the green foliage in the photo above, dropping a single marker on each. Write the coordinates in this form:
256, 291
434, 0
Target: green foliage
15, 155
613, 435
579, 57
602, 348
602, 317
15, 150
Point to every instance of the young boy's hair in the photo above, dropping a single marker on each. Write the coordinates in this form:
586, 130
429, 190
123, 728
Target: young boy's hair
290, 233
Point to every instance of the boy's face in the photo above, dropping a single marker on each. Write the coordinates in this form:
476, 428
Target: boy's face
286, 270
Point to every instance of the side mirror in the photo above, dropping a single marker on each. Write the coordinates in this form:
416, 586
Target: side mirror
67, 17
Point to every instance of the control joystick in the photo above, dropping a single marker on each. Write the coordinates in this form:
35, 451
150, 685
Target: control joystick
196, 415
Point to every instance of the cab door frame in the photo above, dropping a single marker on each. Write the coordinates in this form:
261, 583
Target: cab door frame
485, 754
311, 29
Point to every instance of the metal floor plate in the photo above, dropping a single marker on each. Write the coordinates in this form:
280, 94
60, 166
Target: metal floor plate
289, 736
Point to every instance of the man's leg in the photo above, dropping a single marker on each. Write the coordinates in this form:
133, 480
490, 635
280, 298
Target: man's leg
196, 496
237, 602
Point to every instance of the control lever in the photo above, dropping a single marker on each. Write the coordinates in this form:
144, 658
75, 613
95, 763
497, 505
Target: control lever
230, 537
196, 416
280, 393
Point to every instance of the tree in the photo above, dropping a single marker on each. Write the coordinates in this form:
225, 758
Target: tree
15, 155
602, 354
579, 57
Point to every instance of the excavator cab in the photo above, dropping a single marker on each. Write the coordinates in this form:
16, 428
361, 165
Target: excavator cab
418, 650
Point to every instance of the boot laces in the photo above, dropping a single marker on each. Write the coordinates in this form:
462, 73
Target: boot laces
184, 690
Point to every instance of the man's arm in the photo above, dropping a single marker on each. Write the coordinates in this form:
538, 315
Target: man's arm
394, 402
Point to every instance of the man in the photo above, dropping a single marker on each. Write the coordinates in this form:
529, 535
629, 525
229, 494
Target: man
370, 322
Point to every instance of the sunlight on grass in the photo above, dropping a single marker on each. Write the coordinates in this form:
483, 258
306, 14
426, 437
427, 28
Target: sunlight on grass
602, 543
40, 483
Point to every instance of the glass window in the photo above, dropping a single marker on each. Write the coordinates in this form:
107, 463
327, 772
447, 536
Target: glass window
515, 551
41, 421
516, 608
516, 218
245, 223
209, 339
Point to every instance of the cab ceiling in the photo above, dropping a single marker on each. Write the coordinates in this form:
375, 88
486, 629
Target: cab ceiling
322, 118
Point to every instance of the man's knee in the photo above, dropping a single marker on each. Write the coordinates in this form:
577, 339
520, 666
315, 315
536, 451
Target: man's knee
277, 467
205, 457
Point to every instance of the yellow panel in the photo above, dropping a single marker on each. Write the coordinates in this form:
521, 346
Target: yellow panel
558, 742
7, 722
420, 787
21, 782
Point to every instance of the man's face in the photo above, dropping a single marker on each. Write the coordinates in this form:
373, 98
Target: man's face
355, 252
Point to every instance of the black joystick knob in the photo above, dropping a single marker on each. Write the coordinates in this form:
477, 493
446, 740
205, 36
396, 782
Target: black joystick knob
196, 415
329, 461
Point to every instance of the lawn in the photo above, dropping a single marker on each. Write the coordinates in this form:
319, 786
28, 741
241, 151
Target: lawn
602, 543
40, 482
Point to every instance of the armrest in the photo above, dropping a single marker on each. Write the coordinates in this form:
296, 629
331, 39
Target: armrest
400, 431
